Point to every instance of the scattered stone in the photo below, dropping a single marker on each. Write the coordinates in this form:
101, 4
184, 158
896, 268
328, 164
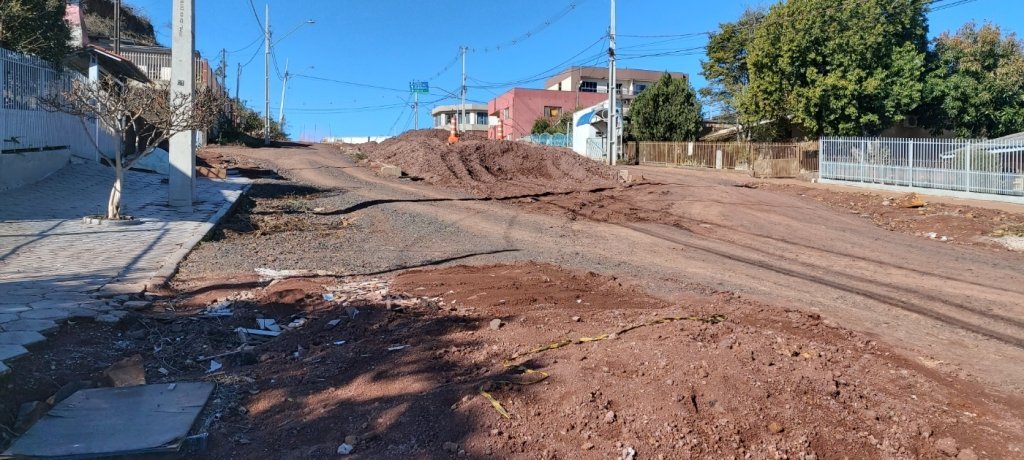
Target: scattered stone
352, 440
29, 413
911, 201
345, 449
775, 427
609, 417
391, 171
333, 323
451, 447
496, 324
628, 453
108, 318
727, 343
587, 446
81, 313
125, 373
136, 305
577, 319
947, 446
967, 454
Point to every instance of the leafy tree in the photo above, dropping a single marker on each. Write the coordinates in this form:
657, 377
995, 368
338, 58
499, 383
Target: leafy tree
540, 126
561, 126
726, 66
35, 27
975, 86
843, 68
668, 110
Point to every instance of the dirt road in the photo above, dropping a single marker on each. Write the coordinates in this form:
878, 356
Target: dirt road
949, 307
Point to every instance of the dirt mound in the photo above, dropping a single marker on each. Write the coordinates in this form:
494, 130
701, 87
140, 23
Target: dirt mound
489, 168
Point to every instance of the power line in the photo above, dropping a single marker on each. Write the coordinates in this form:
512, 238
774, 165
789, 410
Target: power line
533, 31
257, 16
541, 75
350, 83
257, 40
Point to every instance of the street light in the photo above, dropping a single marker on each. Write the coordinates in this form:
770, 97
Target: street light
308, 22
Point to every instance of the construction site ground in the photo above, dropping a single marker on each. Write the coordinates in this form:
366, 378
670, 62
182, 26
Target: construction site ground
690, 314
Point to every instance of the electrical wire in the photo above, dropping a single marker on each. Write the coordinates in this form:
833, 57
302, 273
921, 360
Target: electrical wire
533, 31
349, 83
257, 16
257, 40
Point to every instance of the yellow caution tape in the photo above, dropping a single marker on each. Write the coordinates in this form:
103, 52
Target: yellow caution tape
509, 363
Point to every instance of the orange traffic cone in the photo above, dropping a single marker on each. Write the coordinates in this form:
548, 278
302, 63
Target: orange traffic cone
454, 136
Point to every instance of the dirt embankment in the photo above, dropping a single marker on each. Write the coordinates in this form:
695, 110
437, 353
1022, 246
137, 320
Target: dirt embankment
486, 167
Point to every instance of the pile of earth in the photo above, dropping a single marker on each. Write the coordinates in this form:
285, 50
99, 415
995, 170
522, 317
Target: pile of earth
489, 167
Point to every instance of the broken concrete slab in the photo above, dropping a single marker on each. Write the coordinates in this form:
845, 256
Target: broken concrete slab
14, 308
390, 171
4, 370
7, 317
23, 338
45, 313
9, 352
106, 422
37, 325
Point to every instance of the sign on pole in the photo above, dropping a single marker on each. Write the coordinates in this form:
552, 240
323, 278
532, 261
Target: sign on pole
419, 87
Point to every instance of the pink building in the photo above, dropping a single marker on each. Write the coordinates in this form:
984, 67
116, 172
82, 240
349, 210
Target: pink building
517, 109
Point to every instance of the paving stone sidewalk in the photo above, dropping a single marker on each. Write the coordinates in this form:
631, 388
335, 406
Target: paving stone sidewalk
54, 267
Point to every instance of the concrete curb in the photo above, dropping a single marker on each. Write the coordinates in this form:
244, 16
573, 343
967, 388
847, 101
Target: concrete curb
170, 266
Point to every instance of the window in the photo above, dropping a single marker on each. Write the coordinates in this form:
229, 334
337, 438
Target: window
481, 118
588, 87
639, 87
552, 112
504, 113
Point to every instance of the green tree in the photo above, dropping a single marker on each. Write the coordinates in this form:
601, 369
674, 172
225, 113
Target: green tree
842, 68
35, 27
726, 65
540, 126
975, 85
668, 110
561, 126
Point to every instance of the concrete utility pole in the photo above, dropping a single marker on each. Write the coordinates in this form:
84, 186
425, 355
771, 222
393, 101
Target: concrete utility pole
462, 106
284, 91
117, 27
266, 78
416, 111
613, 137
182, 158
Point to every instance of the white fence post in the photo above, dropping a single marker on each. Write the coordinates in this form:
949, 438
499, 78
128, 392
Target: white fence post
910, 163
967, 168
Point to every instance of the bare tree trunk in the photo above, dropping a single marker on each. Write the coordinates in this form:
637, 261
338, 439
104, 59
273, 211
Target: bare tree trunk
114, 203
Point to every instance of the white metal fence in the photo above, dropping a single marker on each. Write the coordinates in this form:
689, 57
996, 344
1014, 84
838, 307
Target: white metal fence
25, 124
994, 167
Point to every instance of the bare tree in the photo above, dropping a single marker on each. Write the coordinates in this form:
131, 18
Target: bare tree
148, 113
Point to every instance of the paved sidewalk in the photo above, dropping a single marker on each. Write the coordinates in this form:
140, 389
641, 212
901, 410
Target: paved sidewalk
54, 267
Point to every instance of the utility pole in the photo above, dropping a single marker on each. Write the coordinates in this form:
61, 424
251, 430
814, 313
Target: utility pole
238, 85
462, 106
284, 89
416, 111
182, 155
117, 27
266, 78
223, 71
613, 137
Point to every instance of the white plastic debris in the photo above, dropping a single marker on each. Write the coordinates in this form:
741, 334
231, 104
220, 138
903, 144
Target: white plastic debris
214, 366
333, 322
329, 297
339, 342
345, 449
268, 324
163, 371
932, 235
219, 309
397, 347
295, 324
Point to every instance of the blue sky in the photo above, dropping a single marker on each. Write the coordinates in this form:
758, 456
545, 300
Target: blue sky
387, 43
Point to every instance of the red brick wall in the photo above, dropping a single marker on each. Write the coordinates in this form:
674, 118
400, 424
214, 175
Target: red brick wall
527, 105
